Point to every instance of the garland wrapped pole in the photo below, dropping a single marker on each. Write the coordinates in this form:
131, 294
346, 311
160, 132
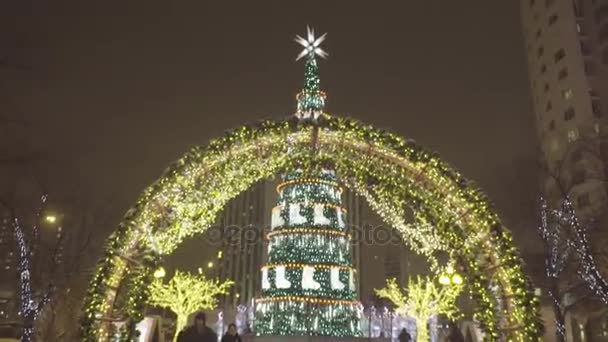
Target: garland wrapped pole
390, 171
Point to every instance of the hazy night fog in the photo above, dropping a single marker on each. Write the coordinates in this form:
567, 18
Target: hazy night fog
114, 91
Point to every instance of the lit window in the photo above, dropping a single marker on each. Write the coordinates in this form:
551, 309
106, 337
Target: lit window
572, 135
569, 114
559, 55
567, 94
562, 74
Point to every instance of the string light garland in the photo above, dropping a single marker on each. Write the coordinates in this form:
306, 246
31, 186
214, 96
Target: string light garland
306, 231
306, 299
314, 181
316, 266
392, 173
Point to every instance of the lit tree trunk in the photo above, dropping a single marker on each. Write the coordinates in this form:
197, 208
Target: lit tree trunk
182, 320
560, 320
26, 298
422, 331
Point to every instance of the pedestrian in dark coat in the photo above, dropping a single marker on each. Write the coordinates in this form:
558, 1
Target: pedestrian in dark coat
404, 336
232, 334
199, 332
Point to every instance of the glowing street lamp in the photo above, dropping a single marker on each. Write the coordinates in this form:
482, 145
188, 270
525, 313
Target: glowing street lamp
457, 279
450, 277
444, 280
159, 273
50, 218
210, 264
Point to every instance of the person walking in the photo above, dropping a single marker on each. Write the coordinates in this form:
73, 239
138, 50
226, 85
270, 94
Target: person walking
199, 332
404, 336
232, 334
455, 334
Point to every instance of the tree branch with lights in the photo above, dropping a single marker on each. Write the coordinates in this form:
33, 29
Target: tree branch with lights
32, 299
564, 235
424, 298
185, 293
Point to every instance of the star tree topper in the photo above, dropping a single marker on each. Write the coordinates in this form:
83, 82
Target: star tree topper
311, 45
311, 100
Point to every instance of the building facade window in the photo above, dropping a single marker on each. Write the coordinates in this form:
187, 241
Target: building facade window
585, 49
543, 69
601, 13
562, 74
548, 3
549, 106
559, 55
569, 114
567, 94
589, 68
603, 35
538, 33
546, 88
572, 135
552, 19
552, 125
540, 51
596, 107
605, 56
578, 8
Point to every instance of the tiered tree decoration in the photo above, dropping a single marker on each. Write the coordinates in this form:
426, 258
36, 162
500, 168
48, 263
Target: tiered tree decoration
186, 293
308, 285
423, 299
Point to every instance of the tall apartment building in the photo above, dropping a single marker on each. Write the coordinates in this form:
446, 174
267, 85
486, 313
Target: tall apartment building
567, 53
243, 223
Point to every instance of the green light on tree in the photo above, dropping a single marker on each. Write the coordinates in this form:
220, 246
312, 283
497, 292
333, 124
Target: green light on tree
422, 299
186, 293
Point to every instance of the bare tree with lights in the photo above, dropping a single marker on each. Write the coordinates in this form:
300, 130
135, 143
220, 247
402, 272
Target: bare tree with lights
32, 299
424, 298
186, 293
564, 235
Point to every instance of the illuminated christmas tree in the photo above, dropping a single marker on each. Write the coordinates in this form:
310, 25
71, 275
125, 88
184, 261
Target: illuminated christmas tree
308, 285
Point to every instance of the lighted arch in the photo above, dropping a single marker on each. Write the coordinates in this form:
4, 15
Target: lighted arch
389, 171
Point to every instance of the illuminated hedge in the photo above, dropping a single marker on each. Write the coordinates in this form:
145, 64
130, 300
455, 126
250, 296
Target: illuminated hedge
389, 171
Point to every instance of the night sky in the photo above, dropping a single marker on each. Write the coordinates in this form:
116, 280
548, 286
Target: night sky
114, 91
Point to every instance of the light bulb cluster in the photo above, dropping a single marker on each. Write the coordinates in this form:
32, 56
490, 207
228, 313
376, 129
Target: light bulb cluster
313, 231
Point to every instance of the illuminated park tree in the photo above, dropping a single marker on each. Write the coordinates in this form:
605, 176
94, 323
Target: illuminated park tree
186, 293
308, 285
423, 299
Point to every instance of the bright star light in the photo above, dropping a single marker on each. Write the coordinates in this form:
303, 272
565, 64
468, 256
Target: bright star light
311, 45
